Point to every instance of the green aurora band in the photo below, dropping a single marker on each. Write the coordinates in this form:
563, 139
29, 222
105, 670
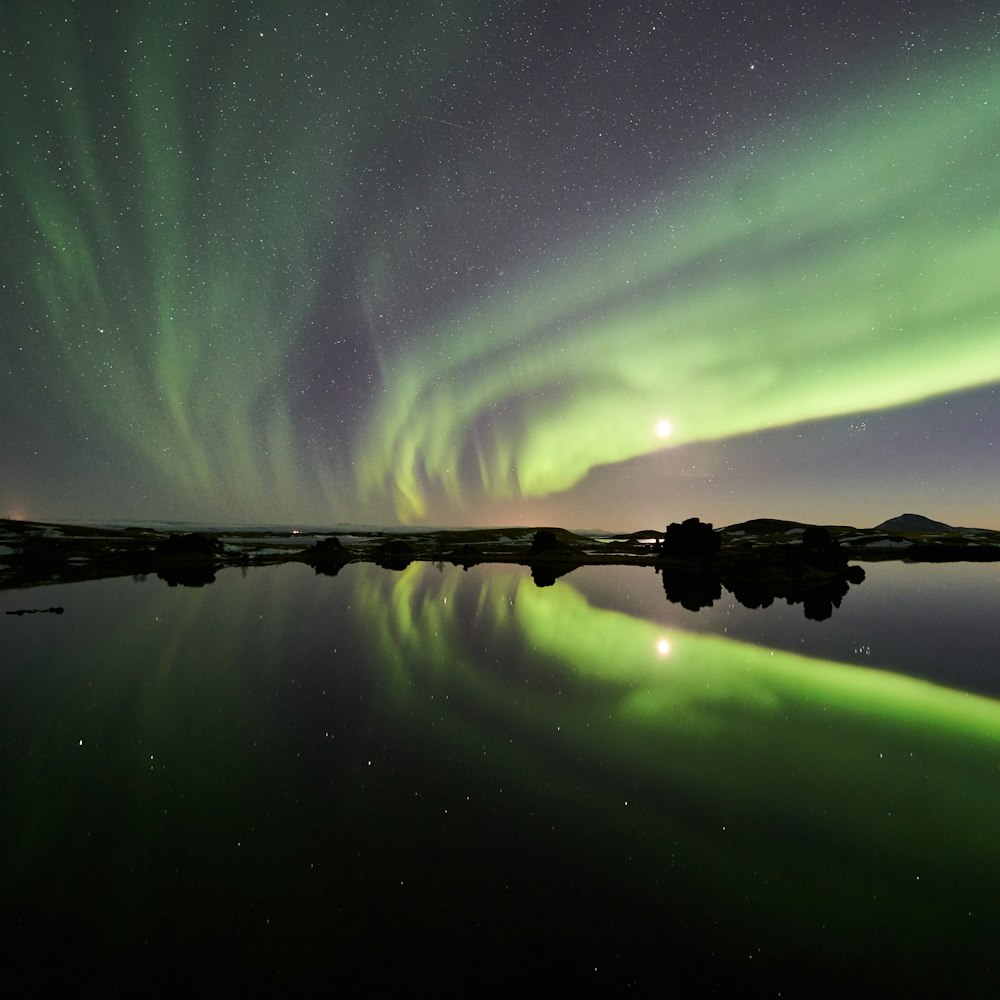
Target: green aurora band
176, 179
183, 188
839, 267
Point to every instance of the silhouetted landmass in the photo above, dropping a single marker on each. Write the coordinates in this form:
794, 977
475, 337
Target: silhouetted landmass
188, 545
691, 539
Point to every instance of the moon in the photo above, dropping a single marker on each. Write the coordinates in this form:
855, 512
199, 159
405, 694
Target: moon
663, 428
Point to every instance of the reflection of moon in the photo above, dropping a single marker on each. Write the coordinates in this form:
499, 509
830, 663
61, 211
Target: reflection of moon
663, 647
663, 428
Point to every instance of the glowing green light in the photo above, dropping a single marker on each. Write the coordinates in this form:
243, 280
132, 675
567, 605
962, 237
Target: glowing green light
180, 192
705, 679
877, 774
843, 268
671, 680
179, 183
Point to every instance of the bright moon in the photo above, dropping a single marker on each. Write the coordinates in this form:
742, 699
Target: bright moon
663, 647
663, 428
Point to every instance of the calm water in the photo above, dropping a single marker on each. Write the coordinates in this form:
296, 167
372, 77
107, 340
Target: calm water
454, 777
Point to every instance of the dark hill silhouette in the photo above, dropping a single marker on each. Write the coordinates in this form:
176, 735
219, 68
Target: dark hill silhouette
912, 522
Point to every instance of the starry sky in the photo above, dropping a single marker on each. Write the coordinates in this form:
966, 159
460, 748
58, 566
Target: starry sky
603, 265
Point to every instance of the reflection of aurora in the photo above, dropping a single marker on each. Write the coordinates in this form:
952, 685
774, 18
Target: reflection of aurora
844, 268
183, 761
720, 747
668, 679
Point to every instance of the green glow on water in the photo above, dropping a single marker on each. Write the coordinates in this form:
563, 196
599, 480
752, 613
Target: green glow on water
298, 744
684, 679
755, 761
666, 678
843, 266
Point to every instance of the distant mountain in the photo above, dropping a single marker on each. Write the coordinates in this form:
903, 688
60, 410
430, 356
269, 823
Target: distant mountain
912, 522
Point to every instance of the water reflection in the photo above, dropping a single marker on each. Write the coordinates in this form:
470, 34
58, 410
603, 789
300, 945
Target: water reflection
697, 588
432, 770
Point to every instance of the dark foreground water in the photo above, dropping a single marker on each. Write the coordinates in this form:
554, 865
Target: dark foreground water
459, 778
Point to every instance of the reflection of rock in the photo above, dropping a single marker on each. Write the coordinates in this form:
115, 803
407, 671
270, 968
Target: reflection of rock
819, 602
818, 597
395, 554
187, 576
462, 555
327, 557
186, 560
692, 589
545, 573
329, 569
813, 572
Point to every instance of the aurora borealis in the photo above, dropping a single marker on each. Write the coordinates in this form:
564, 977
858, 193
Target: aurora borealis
469, 262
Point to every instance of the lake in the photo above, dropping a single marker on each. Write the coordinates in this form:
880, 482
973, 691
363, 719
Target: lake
460, 778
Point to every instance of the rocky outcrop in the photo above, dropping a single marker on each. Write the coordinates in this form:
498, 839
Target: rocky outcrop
690, 539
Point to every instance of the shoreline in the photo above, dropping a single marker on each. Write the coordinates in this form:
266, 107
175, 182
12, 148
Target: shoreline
38, 553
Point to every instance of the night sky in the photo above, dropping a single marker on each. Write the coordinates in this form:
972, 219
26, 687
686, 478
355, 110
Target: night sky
603, 265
